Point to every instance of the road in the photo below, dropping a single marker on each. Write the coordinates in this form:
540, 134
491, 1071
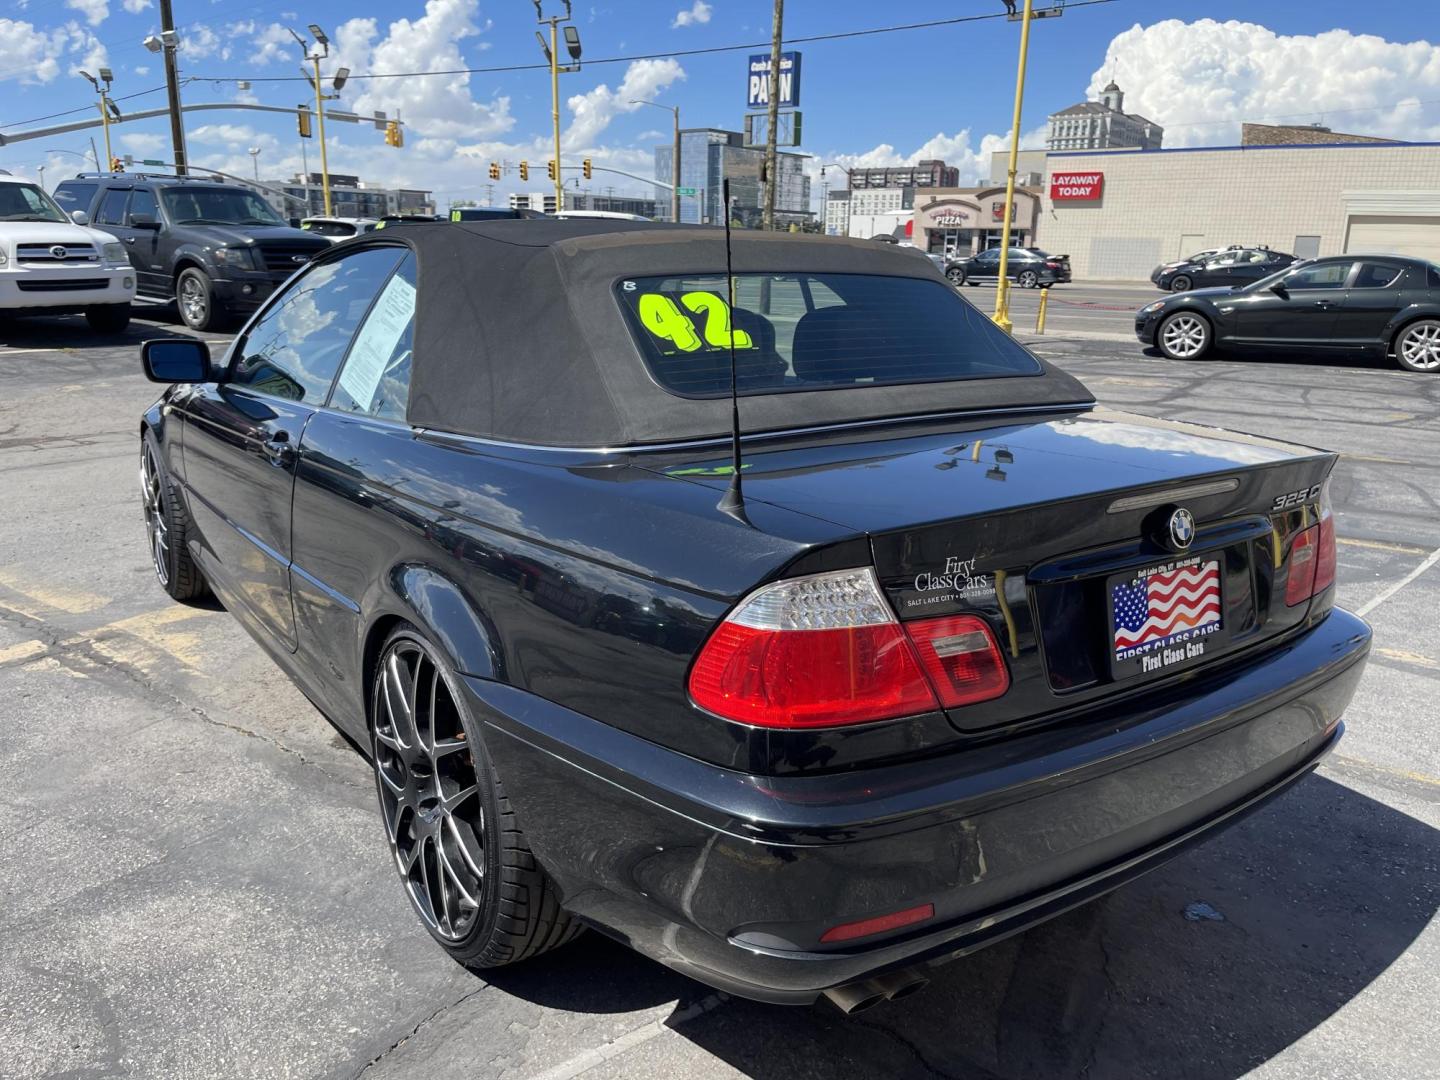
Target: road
194, 883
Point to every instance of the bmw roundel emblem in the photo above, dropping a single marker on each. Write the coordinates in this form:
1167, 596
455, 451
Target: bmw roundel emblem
1182, 529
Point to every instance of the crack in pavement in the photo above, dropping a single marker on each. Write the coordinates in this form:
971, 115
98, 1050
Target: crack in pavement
416, 1029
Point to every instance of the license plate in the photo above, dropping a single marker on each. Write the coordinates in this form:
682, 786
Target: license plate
1166, 616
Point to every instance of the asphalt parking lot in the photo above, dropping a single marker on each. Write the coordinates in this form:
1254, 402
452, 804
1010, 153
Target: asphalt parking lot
194, 882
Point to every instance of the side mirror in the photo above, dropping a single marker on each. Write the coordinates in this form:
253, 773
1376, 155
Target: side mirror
79, 217
1280, 290
143, 221
176, 360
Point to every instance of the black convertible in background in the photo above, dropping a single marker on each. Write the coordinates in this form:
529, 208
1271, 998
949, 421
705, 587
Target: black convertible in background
957, 651
1355, 305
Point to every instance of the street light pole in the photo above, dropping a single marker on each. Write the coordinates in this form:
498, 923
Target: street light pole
102, 103
552, 56
1002, 287
675, 157
315, 55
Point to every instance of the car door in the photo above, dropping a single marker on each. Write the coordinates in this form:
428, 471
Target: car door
1250, 266
110, 217
985, 266
1375, 296
1216, 272
142, 240
1300, 310
241, 435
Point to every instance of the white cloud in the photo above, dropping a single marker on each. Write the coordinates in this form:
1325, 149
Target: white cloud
141, 69
199, 41
28, 54
237, 137
594, 109
698, 14
134, 7
142, 142
95, 11
1200, 80
269, 43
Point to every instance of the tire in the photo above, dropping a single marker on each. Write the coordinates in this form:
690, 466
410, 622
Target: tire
1028, 279
1185, 335
167, 527
445, 814
1417, 346
195, 300
108, 318
1180, 283
955, 275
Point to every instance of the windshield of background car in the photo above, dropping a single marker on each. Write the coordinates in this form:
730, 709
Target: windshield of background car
328, 228
216, 206
26, 202
812, 332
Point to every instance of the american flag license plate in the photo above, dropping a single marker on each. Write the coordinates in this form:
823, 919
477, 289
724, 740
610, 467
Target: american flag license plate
1164, 616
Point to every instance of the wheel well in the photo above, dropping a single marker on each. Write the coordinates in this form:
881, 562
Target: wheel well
186, 264
370, 655
1395, 337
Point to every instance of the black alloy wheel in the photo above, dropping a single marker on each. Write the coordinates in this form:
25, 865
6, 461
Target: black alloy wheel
1028, 279
166, 528
955, 275
461, 857
1180, 283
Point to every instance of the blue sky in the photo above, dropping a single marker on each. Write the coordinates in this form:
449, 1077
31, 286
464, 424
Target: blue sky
890, 97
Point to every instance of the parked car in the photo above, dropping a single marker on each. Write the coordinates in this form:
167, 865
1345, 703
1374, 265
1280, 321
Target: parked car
1358, 305
218, 250
1235, 266
1198, 257
814, 734
338, 228
51, 266
1029, 268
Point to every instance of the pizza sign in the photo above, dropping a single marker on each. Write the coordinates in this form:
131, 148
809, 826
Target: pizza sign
1076, 187
949, 219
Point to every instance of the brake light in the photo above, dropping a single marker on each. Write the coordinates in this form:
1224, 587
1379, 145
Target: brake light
826, 650
1325, 553
961, 657
1302, 567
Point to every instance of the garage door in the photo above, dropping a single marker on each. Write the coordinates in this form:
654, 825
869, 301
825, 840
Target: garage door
1417, 236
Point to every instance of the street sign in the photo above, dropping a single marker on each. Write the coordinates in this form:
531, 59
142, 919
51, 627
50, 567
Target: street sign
151, 161
758, 84
686, 190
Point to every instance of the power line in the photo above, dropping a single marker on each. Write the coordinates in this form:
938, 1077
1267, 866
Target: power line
838, 36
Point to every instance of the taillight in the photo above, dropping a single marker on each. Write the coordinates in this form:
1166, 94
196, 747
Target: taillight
826, 649
1302, 567
1325, 553
962, 659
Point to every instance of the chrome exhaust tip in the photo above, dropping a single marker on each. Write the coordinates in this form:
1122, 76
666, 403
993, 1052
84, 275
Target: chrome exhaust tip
856, 997
901, 984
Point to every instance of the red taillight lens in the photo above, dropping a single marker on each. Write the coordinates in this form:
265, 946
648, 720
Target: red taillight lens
809, 678
1325, 554
1302, 567
878, 925
961, 657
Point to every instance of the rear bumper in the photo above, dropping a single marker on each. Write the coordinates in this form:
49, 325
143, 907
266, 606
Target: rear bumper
732, 878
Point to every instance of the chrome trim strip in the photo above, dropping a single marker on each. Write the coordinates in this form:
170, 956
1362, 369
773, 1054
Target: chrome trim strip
339, 598
759, 436
1175, 494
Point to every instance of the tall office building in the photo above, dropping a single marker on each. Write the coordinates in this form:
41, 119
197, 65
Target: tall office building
708, 157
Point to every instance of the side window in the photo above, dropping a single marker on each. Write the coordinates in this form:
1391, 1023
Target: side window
1377, 275
1227, 259
74, 196
112, 207
295, 348
1324, 276
143, 202
376, 376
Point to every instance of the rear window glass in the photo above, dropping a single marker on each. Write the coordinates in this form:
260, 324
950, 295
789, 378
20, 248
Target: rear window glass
811, 332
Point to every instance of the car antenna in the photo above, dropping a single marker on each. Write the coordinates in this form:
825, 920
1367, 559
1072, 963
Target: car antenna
733, 501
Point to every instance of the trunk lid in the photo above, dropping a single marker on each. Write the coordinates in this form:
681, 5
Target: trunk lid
1037, 524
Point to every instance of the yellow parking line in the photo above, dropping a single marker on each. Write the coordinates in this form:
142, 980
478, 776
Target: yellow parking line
1406, 774
73, 601
150, 628
1383, 545
1407, 657
26, 650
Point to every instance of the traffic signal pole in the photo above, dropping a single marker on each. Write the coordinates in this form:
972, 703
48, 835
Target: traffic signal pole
1002, 286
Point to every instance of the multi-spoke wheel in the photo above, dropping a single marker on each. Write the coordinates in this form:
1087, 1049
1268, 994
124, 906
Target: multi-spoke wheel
459, 852
166, 527
1418, 346
195, 300
1184, 336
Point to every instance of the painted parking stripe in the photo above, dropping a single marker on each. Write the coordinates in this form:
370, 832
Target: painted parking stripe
1406, 580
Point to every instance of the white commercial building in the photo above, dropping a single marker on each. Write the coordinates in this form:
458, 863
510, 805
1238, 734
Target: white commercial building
1119, 213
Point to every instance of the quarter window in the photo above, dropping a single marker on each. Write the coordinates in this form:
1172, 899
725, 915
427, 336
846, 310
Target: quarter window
295, 348
1377, 275
1324, 276
376, 376
112, 208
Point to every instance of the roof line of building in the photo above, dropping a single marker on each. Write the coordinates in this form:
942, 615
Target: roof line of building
1210, 149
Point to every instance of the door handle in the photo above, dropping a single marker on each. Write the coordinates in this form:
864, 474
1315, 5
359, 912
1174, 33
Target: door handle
279, 449
130, 239
1324, 303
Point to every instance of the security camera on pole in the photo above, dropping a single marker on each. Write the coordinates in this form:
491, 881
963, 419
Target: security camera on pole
551, 51
167, 41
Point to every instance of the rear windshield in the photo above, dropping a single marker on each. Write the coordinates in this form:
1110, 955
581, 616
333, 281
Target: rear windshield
812, 332
329, 228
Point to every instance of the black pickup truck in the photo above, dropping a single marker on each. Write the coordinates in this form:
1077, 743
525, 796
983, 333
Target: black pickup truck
218, 250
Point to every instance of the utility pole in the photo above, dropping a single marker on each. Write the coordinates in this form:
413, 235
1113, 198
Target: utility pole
771, 160
675, 156
169, 41
552, 56
1002, 286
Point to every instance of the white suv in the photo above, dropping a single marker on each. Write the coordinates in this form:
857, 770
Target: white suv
50, 265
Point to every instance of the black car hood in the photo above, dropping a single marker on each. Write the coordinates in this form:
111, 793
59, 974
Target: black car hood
1214, 290
237, 235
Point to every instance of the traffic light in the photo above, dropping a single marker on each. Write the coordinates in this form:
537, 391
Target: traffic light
494, 170
550, 168
302, 116
524, 170
116, 165
586, 168
393, 135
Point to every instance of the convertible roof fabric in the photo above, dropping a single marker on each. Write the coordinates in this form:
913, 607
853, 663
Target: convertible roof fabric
519, 335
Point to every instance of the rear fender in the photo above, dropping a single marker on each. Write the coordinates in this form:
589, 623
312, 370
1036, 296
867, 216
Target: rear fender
441, 609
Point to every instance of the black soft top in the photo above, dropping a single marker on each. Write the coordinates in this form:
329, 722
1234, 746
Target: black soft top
519, 335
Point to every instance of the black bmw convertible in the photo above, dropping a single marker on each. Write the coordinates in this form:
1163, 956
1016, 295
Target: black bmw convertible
951, 651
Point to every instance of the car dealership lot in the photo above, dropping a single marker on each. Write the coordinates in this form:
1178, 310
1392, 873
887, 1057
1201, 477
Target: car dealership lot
195, 881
